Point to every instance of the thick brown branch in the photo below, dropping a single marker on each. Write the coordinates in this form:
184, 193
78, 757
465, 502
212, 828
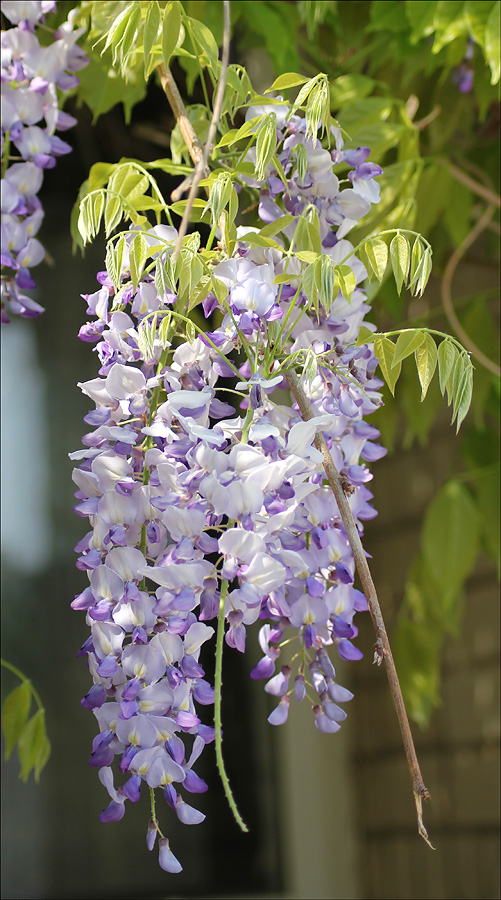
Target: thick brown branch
382, 647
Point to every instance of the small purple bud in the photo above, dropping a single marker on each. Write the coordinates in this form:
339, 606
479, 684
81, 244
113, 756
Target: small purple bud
151, 835
299, 688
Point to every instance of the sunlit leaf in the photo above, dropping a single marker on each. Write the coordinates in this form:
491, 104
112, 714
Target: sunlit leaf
15, 713
400, 259
384, 349
407, 343
426, 362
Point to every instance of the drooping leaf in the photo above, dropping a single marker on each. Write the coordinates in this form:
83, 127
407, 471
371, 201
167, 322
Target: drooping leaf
492, 42
462, 398
15, 713
171, 26
447, 356
31, 743
426, 362
137, 257
151, 29
376, 251
450, 534
400, 259
407, 343
285, 81
365, 336
384, 349
346, 279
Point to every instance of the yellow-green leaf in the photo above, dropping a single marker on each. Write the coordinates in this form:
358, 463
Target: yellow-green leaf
407, 343
384, 349
447, 356
376, 251
288, 80
171, 27
30, 743
151, 27
400, 259
15, 713
426, 361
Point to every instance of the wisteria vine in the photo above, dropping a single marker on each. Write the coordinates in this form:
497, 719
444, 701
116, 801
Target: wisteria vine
33, 77
199, 512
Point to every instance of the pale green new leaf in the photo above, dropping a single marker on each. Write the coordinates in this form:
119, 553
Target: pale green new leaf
426, 362
171, 27
346, 279
15, 713
376, 251
310, 368
462, 397
146, 338
288, 80
151, 29
117, 29
447, 357
450, 535
492, 42
163, 331
407, 343
200, 292
266, 143
365, 336
416, 261
400, 259
384, 349
30, 744
424, 273
137, 256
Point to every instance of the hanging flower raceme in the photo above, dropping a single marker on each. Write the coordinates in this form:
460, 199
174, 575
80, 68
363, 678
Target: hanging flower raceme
194, 506
31, 77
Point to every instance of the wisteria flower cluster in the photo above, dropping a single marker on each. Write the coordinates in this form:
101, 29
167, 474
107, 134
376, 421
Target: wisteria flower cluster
199, 511
31, 77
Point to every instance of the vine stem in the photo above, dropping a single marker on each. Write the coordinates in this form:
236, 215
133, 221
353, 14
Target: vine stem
200, 156
218, 686
382, 647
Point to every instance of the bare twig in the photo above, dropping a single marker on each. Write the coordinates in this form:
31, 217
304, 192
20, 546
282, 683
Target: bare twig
382, 647
199, 156
474, 186
446, 291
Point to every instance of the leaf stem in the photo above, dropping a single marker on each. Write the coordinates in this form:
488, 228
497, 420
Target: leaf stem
22, 677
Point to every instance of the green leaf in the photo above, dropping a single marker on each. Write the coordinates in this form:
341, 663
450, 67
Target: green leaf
171, 27
151, 28
376, 251
102, 87
416, 649
200, 292
15, 713
365, 336
31, 743
492, 42
416, 261
118, 27
421, 17
477, 14
447, 357
449, 538
266, 143
163, 331
288, 80
426, 362
424, 273
220, 289
384, 349
407, 343
346, 280
42, 756
450, 23
400, 259
462, 397
273, 228
137, 257
488, 499
207, 49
